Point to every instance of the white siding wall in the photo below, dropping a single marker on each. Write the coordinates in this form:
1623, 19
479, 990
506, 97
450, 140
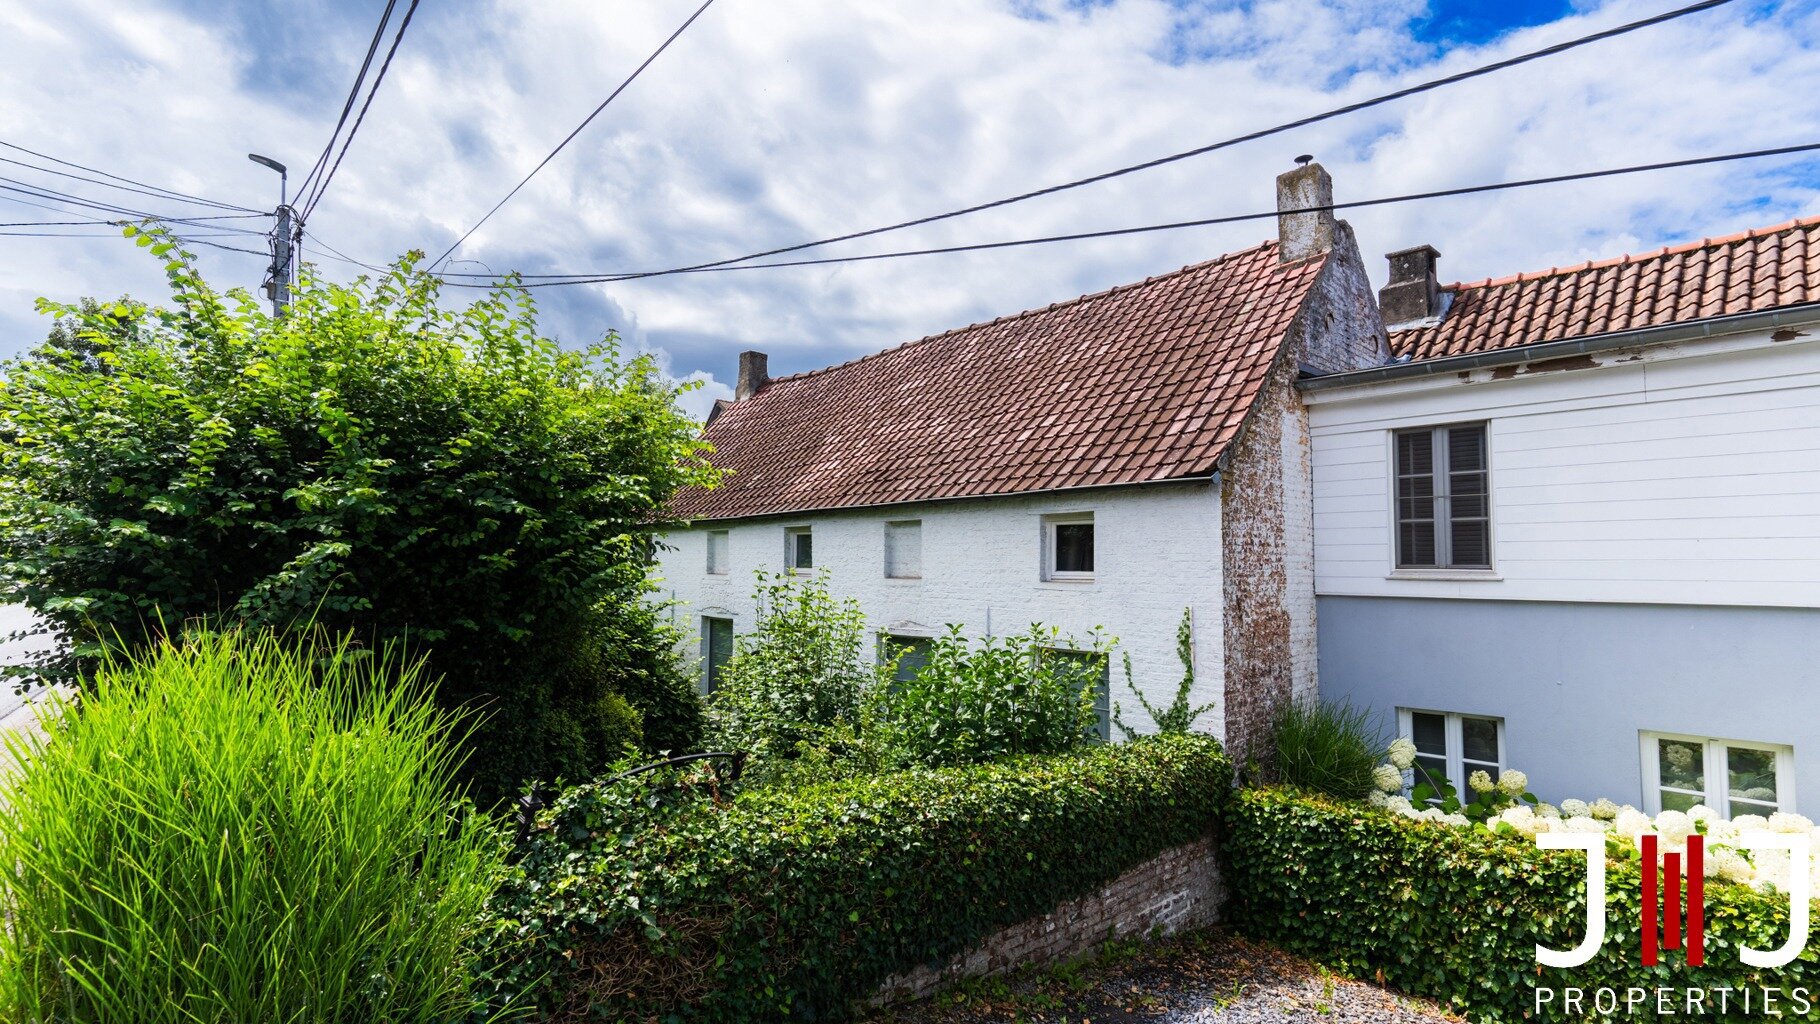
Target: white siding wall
1157, 551
1667, 474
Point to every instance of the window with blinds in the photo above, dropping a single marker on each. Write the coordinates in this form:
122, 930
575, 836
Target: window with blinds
1443, 498
904, 549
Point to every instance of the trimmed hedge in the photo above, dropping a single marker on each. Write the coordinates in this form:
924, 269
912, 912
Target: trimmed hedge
1455, 914
652, 899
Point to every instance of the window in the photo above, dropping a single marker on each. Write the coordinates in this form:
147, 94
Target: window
911, 652
799, 549
716, 651
1449, 747
1068, 547
1443, 498
1730, 776
717, 552
1091, 670
904, 550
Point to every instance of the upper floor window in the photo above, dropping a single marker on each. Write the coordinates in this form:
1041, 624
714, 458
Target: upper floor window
1068, 547
1443, 498
799, 549
718, 543
904, 549
1730, 776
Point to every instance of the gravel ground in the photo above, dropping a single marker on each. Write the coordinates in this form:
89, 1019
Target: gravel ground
1209, 977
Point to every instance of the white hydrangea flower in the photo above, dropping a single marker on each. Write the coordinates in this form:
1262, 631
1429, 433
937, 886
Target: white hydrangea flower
1462, 821
1793, 824
1387, 778
1749, 823
1674, 826
1399, 804
1547, 810
1575, 809
1402, 754
1583, 823
1631, 823
1480, 782
1729, 866
1513, 783
1377, 798
1432, 813
1701, 812
1603, 809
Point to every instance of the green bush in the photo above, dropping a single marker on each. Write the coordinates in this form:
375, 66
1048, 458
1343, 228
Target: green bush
1326, 746
1455, 913
1179, 715
237, 830
652, 898
976, 701
637, 651
373, 462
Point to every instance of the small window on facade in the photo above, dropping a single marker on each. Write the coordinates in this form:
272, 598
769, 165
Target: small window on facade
1068, 547
904, 549
718, 543
1091, 671
911, 652
1443, 498
1450, 747
716, 651
799, 549
1730, 776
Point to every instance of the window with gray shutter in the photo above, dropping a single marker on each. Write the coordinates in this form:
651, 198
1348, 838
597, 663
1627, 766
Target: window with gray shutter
716, 651
1443, 498
718, 544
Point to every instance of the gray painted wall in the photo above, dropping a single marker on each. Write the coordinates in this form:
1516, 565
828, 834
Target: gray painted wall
1576, 683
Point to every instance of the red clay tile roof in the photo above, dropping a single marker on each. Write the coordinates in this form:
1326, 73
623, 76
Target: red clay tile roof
1743, 273
1142, 383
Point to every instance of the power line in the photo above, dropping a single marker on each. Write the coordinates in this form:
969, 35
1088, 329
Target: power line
1428, 86
353, 94
166, 192
385, 65
1178, 225
578, 129
69, 199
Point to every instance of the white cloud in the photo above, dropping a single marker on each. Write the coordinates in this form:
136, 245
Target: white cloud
770, 123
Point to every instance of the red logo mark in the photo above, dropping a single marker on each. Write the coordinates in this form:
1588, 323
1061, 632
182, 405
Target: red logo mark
1667, 909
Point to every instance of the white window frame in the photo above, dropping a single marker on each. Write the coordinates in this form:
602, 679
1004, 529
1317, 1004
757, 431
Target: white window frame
726, 552
1049, 571
1397, 570
1455, 737
1714, 771
791, 533
901, 523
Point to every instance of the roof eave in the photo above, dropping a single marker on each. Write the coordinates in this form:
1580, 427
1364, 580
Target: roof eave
1735, 323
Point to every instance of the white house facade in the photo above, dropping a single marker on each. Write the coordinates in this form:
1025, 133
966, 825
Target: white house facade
1579, 534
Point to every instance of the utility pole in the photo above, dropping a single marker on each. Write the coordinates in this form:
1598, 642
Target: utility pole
278, 279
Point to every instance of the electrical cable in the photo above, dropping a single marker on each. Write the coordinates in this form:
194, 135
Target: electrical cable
571, 136
384, 66
353, 94
169, 193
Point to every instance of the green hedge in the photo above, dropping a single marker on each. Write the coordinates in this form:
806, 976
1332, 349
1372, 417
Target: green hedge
652, 899
1455, 914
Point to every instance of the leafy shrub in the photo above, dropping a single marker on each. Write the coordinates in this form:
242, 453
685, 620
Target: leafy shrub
637, 651
1181, 713
801, 671
976, 701
1326, 746
1456, 913
372, 461
236, 830
651, 898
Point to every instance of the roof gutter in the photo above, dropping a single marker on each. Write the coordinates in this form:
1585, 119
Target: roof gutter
1735, 323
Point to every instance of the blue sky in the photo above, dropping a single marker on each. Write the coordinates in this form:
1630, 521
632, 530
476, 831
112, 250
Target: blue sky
776, 121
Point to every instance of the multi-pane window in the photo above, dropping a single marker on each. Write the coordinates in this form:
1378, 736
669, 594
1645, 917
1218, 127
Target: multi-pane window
1090, 671
718, 544
1731, 777
904, 549
716, 650
911, 652
1450, 747
1443, 498
799, 549
1068, 547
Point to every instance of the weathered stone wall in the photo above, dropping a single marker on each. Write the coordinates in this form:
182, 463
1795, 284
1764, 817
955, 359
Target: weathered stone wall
1179, 890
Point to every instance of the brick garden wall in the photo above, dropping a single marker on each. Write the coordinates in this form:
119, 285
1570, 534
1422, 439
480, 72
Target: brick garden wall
1179, 890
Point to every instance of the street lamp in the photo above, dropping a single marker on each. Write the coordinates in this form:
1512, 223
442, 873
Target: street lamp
278, 288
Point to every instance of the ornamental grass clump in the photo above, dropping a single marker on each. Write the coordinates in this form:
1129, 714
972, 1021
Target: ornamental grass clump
1327, 747
232, 828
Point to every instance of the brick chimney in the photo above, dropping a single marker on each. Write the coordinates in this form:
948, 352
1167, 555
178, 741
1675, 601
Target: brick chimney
1302, 235
1412, 293
754, 373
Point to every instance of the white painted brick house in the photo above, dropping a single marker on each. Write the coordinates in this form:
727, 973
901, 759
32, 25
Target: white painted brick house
1104, 462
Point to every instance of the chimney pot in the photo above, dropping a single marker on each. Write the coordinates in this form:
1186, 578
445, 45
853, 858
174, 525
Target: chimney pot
1413, 293
754, 373
1300, 235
